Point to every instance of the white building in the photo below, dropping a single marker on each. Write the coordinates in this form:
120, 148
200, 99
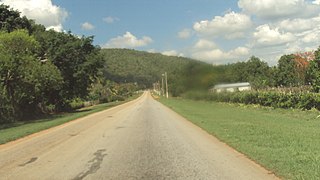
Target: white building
244, 86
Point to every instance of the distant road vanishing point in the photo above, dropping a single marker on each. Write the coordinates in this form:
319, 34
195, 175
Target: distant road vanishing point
141, 139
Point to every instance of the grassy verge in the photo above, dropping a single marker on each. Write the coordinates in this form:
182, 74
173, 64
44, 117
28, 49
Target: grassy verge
286, 142
22, 129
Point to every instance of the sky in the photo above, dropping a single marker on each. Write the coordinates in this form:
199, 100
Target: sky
213, 31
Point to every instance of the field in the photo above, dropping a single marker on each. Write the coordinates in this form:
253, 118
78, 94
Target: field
283, 141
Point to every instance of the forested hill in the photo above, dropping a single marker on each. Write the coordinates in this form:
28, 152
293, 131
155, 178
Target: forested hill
125, 65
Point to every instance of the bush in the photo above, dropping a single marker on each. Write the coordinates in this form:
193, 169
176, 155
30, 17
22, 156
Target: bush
299, 100
76, 103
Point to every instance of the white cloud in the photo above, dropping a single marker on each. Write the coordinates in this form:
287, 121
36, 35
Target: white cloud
185, 34
204, 44
299, 25
232, 25
264, 28
110, 19
87, 26
312, 37
128, 40
172, 53
218, 56
42, 11
265, 36
211, 56
239, 52
275, 9
317, 2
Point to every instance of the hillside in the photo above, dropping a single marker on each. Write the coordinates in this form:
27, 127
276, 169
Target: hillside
124, 65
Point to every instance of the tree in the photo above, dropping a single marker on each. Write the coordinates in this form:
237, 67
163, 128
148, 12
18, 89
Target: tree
313, 72
255, 71
286, 72
259, 73
23, 79
76, 58
292, 69
10, 20
301, 66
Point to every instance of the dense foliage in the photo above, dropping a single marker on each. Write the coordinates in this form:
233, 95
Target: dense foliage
77, 60
42, 71
11, 20
276, 99
25, 81
255, 71
294, 70
185, 74
314, 72
286, 85
144, 69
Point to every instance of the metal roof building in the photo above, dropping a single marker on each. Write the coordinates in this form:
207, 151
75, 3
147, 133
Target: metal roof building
243, 86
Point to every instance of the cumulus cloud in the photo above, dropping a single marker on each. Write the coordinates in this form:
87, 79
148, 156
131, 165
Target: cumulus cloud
232, 25
266, 36
184, 34
299, 25
204, 44
211, 56
172, 53
43, 12
209, 52
239, 52
265, 28
128, 40
218, 56
110, 19
311, 37
87, 26
275, 9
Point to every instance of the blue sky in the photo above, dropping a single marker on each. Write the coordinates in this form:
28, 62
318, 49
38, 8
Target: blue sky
214, 31
160, 20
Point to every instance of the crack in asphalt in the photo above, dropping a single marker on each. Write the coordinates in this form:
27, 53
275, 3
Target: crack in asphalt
28, 162
95, 164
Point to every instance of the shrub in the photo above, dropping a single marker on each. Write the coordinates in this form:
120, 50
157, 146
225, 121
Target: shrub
276, 99
76, 103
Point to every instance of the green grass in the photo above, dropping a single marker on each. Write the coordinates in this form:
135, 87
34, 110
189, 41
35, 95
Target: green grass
21, 129
286, 142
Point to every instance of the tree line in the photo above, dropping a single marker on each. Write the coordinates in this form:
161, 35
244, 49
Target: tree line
184, 74
293, 70
42, 71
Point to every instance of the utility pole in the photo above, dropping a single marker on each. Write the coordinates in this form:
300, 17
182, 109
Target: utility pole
167, 93
158, 88
162, 85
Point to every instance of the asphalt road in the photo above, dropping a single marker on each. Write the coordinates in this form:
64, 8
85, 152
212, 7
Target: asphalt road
141, 139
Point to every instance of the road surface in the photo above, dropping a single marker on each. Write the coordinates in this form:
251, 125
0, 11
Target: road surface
141, 139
